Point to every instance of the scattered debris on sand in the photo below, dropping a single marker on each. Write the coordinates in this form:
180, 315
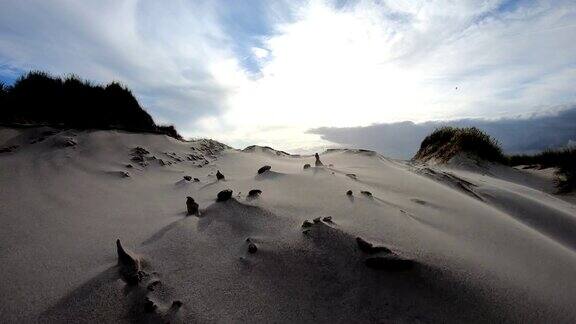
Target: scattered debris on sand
224, 195
264, 169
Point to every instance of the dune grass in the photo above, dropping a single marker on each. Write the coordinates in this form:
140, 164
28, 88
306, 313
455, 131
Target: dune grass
38, 98
564, 160
445, 142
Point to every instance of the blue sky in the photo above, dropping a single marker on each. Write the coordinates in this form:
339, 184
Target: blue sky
265, 72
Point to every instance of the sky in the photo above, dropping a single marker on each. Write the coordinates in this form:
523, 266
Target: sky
279, 73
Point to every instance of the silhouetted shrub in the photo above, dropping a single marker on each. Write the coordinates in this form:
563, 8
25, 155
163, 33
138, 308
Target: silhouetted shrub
562, 159
40, 99
446, 142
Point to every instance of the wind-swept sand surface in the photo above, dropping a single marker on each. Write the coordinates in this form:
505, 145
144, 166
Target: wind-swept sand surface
423, 243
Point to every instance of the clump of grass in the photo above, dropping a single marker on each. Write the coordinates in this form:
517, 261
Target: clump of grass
445, 142
564, 160
38, 98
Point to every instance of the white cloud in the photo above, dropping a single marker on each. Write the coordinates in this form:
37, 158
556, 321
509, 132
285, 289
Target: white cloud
394, 61
320, 65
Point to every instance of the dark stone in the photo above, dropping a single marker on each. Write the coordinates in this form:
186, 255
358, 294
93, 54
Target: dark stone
129, 265
224, 195
177, 304
254, 192
390, 262
316, 220
191, 206
196, 180
306, 166
125, 174
151, 286
137, 159
327, 219
252, 248
367, 193
8, 149
318, 162
307, 223
219, 175
129, 166
352, 175
264, 169
149, 306
187, 178
140, 151
369, 248
349, 193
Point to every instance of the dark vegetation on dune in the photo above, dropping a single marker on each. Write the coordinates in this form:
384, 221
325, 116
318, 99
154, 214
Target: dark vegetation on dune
446, 142
562, 159
38, 98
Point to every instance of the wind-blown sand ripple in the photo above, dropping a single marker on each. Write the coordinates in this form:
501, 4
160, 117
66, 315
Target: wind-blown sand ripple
504, 253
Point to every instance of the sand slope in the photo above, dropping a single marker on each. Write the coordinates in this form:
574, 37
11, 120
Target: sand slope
486, 245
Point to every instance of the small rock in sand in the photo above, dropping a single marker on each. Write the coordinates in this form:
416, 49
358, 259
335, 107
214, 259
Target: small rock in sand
153, 284
140, 151
366, 193
369, 248
187, 178
8, 149
327, 219
307, 223
149, 306
316, 220
129, 166
352, 176
264, 169
252, 248
129, 265
125, 174
196, 180
318, 162
191, 206
254, 192
177, 304
224, 195
219, 175
306, 166
349, 193
390, 262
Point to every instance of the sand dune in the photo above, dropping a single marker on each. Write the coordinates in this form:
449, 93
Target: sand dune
431, 243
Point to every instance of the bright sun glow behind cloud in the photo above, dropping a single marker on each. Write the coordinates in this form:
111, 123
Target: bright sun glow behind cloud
363, 65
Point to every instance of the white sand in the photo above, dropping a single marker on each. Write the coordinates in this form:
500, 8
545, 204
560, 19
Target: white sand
490, 244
